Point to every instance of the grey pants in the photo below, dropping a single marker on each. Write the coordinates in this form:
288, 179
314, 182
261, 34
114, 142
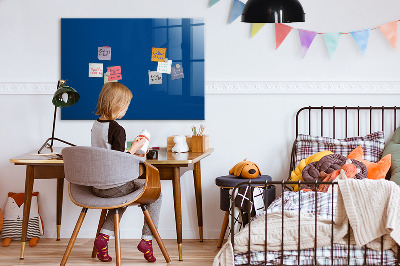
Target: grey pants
153, 208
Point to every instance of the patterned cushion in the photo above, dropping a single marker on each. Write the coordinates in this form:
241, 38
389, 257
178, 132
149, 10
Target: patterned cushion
372, 144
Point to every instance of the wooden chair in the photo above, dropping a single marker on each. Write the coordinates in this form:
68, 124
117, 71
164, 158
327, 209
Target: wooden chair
85, 167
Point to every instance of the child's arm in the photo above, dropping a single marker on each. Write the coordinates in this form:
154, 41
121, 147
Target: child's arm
136, 145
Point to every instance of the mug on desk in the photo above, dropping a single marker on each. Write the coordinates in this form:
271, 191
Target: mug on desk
152, 155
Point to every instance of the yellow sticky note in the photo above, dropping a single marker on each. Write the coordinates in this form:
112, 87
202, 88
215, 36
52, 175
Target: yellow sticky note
158, 54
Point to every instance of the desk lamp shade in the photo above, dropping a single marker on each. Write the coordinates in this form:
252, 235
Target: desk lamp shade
64, 96
273, 11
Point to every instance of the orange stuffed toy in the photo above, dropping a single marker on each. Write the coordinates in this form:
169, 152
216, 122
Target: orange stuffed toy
12, 224
375, 170
245, 169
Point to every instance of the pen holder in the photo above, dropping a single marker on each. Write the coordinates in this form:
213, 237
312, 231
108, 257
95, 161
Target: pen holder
200, 143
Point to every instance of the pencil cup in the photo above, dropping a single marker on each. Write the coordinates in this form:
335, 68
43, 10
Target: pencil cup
200, 143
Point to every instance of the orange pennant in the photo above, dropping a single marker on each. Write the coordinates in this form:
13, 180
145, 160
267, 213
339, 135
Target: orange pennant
389, 30
281, 31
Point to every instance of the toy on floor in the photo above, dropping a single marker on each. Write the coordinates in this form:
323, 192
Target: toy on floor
13, 215
245, 169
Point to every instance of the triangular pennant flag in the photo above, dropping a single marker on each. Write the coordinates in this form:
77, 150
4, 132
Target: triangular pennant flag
332, 41
213, 2
306, 38
390, 32
255, 28
361, 37
237, 9
281, 31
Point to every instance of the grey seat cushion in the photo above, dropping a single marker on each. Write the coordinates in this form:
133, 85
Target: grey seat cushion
83, 196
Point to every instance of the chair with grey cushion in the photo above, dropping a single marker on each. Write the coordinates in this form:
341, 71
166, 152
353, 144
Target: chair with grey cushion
85, 167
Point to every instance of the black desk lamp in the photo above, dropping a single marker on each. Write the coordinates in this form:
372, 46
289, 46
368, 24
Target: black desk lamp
64, 96
272, 11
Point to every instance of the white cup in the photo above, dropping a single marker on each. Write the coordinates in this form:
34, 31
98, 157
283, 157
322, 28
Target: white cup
144, 134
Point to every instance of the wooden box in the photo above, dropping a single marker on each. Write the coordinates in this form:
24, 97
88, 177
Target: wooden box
171, 143
200, 143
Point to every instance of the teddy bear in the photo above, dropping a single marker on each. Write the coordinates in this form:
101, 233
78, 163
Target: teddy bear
13, 215
180, 144
245, 169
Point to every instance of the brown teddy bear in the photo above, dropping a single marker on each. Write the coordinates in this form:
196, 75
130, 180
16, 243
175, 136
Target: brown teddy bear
245, 169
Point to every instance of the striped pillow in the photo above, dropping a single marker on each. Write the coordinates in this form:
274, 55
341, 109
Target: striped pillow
13, 228
372, 145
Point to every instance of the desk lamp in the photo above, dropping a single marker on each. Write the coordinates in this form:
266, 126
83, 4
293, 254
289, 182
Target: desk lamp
273, 11
64, 96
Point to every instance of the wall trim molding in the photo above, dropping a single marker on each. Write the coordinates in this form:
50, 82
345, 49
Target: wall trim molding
246, 87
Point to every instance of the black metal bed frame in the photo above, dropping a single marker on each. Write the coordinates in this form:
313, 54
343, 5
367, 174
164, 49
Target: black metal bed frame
283, 184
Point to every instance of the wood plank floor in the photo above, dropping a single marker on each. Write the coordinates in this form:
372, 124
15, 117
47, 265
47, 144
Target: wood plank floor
50, 252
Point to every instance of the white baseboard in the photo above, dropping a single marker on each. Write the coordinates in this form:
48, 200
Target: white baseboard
247, 87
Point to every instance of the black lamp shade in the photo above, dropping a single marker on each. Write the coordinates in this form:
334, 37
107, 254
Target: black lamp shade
65, 96
273, 11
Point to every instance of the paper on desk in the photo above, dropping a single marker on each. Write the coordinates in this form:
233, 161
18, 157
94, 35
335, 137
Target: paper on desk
95, 70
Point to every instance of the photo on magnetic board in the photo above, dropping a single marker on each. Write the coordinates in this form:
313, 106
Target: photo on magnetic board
132, 41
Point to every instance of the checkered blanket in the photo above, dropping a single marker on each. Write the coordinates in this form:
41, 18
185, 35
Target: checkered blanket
323, 205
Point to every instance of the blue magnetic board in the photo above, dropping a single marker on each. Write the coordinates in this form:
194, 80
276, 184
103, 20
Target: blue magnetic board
131, 42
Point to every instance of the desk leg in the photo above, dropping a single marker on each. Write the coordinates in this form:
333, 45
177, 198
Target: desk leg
199, 204
176, 182
60, 190
27, 206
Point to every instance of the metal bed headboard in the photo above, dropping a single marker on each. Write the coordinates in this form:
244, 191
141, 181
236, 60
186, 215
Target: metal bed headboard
373, 113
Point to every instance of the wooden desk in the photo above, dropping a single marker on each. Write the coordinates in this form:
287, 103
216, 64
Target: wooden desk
171, 167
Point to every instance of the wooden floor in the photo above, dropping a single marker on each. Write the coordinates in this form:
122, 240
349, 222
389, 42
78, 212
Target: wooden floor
50, 252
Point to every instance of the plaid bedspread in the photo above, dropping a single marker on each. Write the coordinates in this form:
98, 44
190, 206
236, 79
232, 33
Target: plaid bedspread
321, 205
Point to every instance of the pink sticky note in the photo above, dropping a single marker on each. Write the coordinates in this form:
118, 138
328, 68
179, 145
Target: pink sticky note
114, 77
114, 70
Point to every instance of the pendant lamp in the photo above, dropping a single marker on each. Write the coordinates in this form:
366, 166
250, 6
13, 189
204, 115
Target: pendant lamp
63, 97
273, 11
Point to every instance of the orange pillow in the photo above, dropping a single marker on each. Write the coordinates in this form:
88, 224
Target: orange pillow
375, 170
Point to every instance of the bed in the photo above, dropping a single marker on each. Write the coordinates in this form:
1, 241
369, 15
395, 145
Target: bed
301, 228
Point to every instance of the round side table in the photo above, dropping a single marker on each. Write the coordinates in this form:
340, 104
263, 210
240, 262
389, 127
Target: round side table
228, 182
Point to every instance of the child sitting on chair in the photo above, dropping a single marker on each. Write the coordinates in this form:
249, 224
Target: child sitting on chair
114, 100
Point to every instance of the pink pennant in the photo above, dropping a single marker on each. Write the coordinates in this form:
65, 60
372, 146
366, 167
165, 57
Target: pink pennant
281, 31
389, 30
306, 38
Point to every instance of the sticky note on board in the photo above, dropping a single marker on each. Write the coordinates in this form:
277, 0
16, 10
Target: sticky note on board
158, 54
115, 73
177, 72
155, 77
164, 67
104, 53
106, 75
95, 70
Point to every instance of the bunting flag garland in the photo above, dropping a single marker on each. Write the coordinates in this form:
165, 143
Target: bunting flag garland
256, 27
332, 41
389, 30
306, 38
361, 37
281, 31
237, 8
213, 2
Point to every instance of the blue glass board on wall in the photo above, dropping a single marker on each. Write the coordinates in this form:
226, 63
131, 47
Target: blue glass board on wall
131, 42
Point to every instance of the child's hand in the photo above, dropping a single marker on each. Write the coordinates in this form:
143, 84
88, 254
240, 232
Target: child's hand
142, 155
137, 144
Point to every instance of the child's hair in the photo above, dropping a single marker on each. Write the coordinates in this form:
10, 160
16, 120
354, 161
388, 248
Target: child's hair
112, 99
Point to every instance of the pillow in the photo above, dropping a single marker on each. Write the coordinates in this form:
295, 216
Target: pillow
375, 170
393, 148
372, 144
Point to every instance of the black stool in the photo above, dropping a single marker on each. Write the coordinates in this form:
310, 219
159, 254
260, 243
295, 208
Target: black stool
226, 183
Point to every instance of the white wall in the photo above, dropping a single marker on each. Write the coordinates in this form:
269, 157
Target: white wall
259, 127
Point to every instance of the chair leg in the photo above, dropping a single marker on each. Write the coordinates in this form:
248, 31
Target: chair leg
101, 222
73, 237
117, 239
223, 229
154, 230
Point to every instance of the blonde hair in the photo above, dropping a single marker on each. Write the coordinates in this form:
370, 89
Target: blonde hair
112, 99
